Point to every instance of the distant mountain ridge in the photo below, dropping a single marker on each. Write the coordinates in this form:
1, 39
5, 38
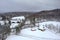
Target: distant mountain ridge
49, 14
46, 13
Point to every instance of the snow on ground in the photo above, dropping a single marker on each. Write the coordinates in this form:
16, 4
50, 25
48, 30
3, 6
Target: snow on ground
38, 33
15, 37
50, 22
27, 34
44, 24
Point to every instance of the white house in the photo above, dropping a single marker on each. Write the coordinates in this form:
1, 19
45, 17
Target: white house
15, 21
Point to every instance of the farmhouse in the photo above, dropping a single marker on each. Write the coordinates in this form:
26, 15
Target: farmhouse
15, 21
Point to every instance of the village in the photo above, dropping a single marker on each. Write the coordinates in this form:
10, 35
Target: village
34, 28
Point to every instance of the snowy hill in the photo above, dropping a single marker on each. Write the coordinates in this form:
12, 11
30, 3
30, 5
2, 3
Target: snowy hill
27, 34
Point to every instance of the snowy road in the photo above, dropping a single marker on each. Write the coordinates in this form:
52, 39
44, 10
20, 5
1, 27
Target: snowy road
27, 34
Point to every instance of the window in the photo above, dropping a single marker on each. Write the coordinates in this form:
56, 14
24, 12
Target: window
13, 22
18, 22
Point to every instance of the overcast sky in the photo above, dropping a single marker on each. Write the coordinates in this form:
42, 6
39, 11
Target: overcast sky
28, 5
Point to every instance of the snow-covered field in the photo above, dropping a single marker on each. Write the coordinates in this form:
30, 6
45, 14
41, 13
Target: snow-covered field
27, 34
38, 33
51, 22
15, 37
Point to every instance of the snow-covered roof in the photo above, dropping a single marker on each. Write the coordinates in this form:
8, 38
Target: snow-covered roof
19, 17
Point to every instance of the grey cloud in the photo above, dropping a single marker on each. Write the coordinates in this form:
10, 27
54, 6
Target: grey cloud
28, 5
